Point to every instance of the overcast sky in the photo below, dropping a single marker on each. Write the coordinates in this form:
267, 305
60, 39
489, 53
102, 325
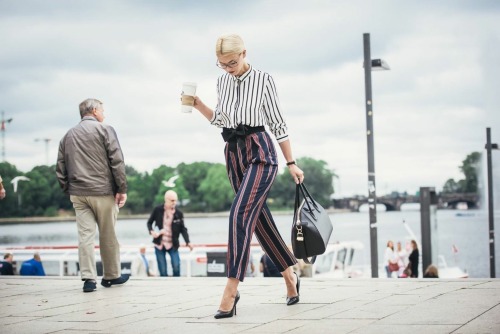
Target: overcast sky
430, 110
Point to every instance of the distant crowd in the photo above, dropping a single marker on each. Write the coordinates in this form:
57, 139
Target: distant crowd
32, 267
404, 262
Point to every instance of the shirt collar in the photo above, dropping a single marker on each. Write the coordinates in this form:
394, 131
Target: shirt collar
91, 118
244, 75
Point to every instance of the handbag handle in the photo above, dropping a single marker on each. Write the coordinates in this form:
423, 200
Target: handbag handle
301, 188
298, 190
308, 195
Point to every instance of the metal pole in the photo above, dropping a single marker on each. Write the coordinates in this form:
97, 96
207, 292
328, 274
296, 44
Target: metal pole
491, 211
46, 140
47, 150
3, 129
372, 197
3, 136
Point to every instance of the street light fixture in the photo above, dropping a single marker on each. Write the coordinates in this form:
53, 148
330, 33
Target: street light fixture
369, 66
491, 212
15, 182
46, 140
2, 129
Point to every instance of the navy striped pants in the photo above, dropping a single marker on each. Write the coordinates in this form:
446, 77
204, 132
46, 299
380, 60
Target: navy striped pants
252, 170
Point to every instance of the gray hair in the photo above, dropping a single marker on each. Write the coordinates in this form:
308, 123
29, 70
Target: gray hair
87, 106
229, 44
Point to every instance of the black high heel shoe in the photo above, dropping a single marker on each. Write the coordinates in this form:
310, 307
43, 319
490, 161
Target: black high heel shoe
228, 314
294, 300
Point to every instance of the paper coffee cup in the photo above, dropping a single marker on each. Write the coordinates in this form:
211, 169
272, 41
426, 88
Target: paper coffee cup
188, 94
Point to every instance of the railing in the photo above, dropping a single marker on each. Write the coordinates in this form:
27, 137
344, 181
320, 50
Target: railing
63, 260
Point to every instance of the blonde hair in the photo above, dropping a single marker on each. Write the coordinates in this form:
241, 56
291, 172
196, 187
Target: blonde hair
229, 44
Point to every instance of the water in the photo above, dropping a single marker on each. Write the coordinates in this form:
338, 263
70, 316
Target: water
467, 230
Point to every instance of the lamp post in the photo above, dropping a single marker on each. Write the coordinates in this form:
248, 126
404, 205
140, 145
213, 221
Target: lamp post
15, 182
491, 213
46, 140
2, 129
369, 65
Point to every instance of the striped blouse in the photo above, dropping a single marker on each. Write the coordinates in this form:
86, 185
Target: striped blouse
251, 100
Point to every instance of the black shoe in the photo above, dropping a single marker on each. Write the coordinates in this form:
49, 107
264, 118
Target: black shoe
294, 300
109, 282
89, 285
228, 314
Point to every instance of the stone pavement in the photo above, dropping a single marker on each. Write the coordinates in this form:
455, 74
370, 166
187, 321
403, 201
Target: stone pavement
187, 305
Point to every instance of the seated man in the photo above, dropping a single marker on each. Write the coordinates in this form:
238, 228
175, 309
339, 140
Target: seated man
268, 268
32, 267
6, 265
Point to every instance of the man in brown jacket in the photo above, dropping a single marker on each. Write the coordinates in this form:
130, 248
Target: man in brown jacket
91, 169
2, 189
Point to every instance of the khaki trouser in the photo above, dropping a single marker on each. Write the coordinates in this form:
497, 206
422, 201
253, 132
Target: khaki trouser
101, 212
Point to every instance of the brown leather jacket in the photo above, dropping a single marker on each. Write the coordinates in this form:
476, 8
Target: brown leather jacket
90, 160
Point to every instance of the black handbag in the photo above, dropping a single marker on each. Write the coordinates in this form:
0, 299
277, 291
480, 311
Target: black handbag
311, 228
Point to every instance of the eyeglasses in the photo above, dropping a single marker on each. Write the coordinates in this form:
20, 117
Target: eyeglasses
231, 64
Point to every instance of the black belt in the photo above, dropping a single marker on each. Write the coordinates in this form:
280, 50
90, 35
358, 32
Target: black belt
237, 136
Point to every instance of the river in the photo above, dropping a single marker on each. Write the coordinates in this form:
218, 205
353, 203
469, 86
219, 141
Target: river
467, 230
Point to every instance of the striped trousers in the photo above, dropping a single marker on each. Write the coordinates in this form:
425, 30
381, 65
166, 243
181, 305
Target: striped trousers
252, 170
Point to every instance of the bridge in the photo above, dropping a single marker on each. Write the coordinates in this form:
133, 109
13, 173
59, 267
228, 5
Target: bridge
394, 202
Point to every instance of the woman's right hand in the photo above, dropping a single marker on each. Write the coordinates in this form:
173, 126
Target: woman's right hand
201, 107
297, 173
197, 102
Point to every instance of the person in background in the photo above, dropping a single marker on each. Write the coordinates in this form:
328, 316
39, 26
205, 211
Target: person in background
2, 189
414, 259
431, 272
268, 268
91, 169
169, 225
141, 266
402, 259
250, 272
247, 102
390, 259
32, 267
6, 265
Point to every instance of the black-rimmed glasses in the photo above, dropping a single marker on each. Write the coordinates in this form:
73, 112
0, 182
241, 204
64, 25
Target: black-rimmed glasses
231, 64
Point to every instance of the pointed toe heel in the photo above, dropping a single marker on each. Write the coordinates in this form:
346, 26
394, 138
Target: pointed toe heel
292, 300
228, 314
295, 299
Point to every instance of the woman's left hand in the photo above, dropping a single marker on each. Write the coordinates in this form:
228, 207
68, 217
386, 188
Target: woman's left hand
297, 173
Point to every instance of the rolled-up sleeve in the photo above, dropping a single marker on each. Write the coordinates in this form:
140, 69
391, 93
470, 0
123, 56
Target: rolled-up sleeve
272, 112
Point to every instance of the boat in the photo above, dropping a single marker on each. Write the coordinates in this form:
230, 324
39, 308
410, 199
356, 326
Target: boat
337, 261
63, 260
210, 260
204, 260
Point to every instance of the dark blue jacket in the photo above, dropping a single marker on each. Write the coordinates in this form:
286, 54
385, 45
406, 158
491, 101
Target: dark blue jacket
6, 268
32, 268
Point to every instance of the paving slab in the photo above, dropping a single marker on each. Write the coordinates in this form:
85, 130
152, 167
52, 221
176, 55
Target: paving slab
187, 305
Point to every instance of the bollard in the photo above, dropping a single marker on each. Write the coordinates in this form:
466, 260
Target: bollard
428, 226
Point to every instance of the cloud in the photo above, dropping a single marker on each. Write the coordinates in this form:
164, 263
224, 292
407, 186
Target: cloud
430, 109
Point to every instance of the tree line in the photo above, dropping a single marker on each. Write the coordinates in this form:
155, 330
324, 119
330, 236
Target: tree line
469, 184
201, 187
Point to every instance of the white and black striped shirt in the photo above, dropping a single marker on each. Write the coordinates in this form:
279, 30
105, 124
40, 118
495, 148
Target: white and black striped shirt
250, 100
